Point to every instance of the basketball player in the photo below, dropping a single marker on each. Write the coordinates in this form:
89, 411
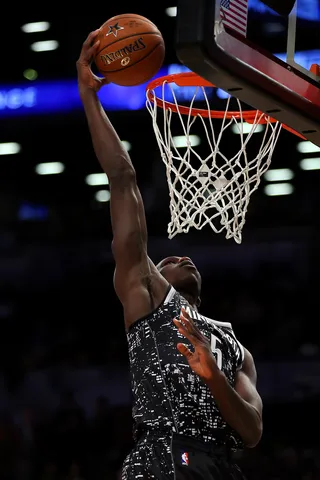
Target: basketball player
194, 385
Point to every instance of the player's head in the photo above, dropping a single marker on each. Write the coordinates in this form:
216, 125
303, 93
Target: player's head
183, 275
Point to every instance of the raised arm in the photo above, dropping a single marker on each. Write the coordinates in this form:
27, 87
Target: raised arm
137, 282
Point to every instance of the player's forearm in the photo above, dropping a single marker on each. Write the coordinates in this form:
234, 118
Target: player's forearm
238, 413
108, 148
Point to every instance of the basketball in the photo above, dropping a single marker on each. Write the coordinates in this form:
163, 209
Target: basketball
131, 50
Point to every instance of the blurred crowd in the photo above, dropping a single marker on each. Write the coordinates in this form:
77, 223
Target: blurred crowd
64, 444
83, 328
67, 445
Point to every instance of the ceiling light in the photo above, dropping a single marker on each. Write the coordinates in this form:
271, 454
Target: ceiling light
44, 46
49, 168
9, 148
97, 179
127, 145
310, 163
180, 141
102, 196
30, 74
246, 128
278, 175
35, 27
307, 147
171, 11
275, 189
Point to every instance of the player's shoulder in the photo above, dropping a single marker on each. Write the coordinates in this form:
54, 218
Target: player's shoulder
218, 323
195, 315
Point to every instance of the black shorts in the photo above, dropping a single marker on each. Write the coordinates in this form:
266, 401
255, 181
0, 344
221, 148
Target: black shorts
178, 458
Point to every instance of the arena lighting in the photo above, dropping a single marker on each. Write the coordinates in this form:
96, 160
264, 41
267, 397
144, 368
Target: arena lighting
307, 9
180, 141
102, 196
97, 179
277, 189
50, 96
171, 11
127, 145
246, 128
9, 148
34, 27
44, 46
310, 163
307, 147
30, 74
49, 168
279, 175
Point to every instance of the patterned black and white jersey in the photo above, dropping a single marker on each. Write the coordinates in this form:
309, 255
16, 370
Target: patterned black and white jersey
167, 395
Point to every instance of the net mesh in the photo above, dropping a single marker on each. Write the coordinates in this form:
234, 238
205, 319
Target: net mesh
209, 189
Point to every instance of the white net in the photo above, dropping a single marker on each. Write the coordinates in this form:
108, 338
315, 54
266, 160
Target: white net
209, 189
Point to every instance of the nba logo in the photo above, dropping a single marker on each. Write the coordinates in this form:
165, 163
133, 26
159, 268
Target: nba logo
185, 459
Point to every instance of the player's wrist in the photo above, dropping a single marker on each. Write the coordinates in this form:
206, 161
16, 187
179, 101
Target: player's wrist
86, 91
217, 380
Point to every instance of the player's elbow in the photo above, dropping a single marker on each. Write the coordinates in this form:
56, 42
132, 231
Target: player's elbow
122, 172
254, 435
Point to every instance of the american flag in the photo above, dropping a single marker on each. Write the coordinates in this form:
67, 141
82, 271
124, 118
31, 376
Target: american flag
234, 15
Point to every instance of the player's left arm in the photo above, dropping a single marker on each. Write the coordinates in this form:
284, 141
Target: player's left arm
246, 388
241, 405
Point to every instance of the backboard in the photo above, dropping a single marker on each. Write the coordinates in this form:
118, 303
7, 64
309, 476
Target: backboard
267, 60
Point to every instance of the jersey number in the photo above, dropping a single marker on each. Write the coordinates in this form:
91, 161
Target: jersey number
216, 351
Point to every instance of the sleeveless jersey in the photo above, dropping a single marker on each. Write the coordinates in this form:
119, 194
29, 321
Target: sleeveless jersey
167, 394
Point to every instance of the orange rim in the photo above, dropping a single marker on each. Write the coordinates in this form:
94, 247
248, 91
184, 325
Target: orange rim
191, 79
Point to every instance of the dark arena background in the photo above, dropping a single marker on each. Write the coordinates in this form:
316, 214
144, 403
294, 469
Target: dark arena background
65, 401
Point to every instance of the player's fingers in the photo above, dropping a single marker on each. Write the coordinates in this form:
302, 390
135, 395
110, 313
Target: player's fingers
181, 326
90, 39
185, 313
88, 54
187, 320
104, 81
101, 80
189, 324
182, 329
184, 350
89, 48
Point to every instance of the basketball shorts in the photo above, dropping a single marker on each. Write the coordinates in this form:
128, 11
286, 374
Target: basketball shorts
178, 458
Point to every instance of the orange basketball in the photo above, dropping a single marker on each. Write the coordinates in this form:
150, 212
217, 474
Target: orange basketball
131, 50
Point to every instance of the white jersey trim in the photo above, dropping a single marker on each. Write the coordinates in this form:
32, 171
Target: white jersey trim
169, 296
218, 323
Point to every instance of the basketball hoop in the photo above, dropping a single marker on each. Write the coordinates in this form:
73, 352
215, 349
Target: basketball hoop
210, 189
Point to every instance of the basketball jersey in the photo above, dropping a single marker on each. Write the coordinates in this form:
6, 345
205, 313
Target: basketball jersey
167, 394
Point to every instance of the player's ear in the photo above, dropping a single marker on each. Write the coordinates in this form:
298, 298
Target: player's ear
198, 302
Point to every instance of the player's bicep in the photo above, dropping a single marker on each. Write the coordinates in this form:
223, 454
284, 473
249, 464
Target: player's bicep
129, 244
129, 229
246, 383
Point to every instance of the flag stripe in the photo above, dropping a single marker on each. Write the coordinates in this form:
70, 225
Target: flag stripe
234, 20
237, 17
242, 14
234, 14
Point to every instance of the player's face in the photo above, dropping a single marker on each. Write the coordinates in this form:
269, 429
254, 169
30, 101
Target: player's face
182, 274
